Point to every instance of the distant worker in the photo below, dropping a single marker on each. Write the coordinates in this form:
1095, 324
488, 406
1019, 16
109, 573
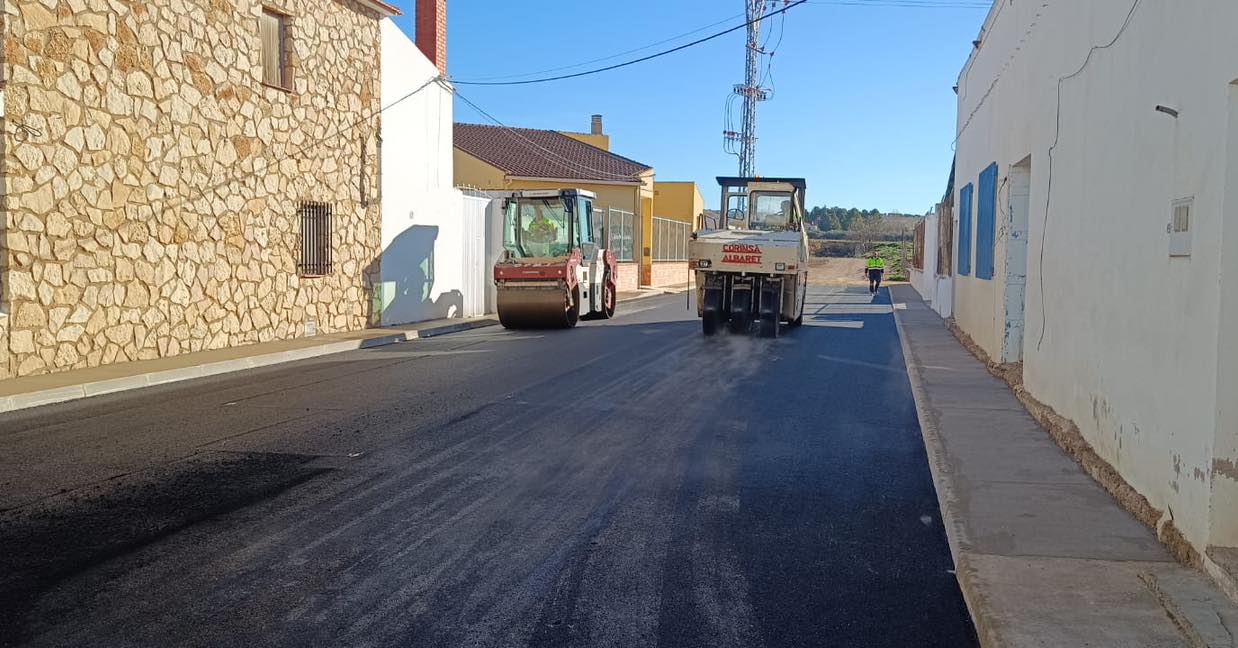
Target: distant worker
875, 269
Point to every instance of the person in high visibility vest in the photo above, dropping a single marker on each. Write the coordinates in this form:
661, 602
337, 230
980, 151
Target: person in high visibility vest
875, 268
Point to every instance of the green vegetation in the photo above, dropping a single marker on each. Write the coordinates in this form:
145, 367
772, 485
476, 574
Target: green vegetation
898, 258
839, 220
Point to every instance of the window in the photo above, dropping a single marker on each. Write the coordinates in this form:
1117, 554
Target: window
670, 239
772, 212
315, 240
986, 223
273, 34
617, 231
1180, 228
538, 227
965, 195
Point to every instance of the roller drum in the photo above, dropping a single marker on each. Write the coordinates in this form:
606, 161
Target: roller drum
528, 308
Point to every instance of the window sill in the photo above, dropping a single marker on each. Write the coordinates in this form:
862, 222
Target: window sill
277, 87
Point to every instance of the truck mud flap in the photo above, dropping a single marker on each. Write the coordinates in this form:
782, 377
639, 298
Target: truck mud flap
770, 310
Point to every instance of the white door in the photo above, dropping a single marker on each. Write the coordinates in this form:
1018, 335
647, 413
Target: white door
473, 240
1016, 260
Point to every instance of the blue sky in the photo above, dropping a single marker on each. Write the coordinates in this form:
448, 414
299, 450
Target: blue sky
864, 107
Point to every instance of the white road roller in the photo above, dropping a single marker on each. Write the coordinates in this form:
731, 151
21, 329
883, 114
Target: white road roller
754, 269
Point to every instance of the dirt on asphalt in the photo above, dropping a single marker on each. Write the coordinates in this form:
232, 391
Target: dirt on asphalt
836, 271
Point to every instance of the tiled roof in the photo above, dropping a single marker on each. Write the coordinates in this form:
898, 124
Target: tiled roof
532, 153
384, 8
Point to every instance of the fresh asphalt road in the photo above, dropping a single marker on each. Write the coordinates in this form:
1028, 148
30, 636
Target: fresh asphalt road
626, 483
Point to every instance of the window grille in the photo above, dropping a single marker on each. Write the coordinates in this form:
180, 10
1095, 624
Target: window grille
315, 239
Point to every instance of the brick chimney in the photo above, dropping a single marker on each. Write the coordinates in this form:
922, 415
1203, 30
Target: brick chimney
597, 126
432, 32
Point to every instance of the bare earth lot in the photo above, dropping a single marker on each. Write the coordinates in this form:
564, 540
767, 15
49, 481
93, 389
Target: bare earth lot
833, 271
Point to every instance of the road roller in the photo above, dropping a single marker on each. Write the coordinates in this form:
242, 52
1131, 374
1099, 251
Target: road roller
552, 272
753, 269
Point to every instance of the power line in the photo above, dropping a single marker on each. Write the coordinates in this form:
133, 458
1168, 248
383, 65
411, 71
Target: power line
313, 143
638, 60
998, 77
910, 4
547, 154
615, 55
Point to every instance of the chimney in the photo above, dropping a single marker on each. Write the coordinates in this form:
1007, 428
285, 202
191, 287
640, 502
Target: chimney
432, 32
597, 126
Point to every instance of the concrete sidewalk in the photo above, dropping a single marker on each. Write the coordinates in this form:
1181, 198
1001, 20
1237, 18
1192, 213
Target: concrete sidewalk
32, 391
1044, 556
648, 291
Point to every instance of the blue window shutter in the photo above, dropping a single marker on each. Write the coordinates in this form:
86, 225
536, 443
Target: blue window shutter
986, 222
965, 230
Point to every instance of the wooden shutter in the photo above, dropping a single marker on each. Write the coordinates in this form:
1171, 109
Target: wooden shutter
965, 205
986, 223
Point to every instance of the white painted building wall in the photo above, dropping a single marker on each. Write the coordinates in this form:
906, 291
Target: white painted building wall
925, 281
1119, 337
429, 264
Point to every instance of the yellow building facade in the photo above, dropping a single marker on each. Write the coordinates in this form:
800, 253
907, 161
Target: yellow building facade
631, 204
510, 159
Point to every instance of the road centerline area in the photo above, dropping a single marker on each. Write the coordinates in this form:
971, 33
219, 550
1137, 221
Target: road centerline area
628, 482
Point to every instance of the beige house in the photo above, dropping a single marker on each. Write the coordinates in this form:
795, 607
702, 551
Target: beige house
182, 175
501, 158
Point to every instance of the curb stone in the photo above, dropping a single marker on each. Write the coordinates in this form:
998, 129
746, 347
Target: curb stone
68, 393
947, 499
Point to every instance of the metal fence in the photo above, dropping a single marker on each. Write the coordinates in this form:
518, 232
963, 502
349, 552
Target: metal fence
617, 229
670, 239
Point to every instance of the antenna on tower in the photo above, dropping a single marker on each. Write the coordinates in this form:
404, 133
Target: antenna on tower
744, 142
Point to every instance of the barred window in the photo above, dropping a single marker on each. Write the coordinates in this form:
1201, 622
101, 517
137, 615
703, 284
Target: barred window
315, 239
670, 239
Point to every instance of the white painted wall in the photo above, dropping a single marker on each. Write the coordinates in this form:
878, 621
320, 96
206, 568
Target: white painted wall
925, 281
1119, 337
936, 290
428, 263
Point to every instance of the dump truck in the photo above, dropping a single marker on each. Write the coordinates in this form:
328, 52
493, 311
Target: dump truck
754, 267
552, 272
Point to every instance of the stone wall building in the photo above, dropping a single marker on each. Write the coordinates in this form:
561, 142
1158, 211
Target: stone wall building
181, 175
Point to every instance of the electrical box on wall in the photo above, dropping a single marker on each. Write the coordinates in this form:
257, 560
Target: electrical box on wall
1180, 227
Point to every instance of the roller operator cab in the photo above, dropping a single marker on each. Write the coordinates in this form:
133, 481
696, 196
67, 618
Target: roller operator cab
552, 271
754, 269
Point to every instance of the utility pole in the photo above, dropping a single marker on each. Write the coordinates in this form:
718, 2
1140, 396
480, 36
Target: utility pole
750, 92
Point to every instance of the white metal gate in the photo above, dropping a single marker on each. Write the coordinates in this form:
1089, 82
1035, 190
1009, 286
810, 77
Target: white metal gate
473, 255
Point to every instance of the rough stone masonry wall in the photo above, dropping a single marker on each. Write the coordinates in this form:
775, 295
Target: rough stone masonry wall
153, 181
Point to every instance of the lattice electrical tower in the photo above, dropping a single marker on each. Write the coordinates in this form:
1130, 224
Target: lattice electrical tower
743, 143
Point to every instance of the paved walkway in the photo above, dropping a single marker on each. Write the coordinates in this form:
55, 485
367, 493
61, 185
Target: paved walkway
32, 391
1044, 555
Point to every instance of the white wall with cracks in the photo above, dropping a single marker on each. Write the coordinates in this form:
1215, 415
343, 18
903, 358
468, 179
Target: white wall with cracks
1125, 108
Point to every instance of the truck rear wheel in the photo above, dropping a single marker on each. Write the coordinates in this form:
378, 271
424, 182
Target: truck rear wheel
799, 320
711, 311
741, 311
771, 308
